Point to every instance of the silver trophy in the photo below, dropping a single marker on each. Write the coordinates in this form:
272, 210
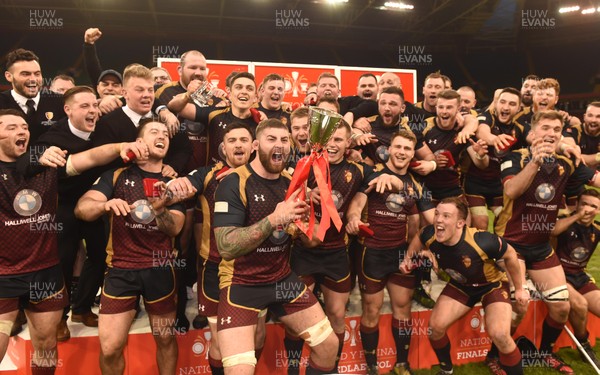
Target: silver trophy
203, 94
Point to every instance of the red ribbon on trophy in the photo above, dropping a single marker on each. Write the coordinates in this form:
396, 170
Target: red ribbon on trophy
322, 124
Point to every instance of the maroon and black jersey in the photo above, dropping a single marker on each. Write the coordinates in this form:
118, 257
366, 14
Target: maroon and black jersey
576, 245
242, 199
197, 132
279, 114
439, 141
134, 242
28, 213
205, 181
346, 179
472, 261
492, 172
529, 219
388, 213
218, 119
589, 144
378, 152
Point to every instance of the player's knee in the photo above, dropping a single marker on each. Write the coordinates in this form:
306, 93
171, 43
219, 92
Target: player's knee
247, 358
500, 337
436, 330
164, 340
371, 310
579, 305
317, 333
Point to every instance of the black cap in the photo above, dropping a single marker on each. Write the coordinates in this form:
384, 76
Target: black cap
110, 72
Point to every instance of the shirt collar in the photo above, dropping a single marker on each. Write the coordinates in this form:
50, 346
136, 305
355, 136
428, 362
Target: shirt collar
79, 133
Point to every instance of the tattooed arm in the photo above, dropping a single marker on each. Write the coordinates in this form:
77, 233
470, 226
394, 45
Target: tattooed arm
169, 222
233, 242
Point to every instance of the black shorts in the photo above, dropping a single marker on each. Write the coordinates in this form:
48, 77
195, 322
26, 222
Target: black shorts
123, 287
208, 288
581, 281
378, 267
481, 193
328, 267
470, 295
536, 257
240, 304
39, 291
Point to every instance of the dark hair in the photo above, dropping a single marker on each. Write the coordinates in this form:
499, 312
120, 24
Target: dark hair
394, 90
546, 115
70, 93
64, 77
532, 76
270, 123
463, 209
330, 100
300, 112
242, 75
328, 75
238, 125
367, 75
404, 133
145, 121
272, 77
511, 90
449, 95
20, 55
591, 192
12, 112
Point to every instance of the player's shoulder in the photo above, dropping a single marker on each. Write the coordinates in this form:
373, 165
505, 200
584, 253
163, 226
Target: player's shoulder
171, 87
427, 234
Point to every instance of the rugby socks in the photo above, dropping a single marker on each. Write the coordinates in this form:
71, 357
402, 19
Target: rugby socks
340, 337
401, 331
293, 349
441, 348
550, 332
313, 369
370, 338
511, 362
216, 366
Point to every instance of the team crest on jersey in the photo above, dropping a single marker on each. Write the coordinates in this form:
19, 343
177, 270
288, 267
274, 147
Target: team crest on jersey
455, 275
142, 212
27, 202
279, 235
283, 120
348, 175
383, 153
395, 202
338, 199
466, 261
579, 253
545, 193
561, 170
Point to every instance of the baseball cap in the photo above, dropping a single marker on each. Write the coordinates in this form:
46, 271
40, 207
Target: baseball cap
110, 72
